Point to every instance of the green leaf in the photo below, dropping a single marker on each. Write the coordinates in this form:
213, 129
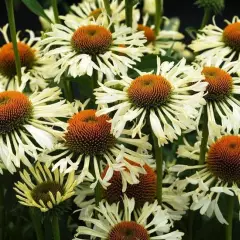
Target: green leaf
36, 8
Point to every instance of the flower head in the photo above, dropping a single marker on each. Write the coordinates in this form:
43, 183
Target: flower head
28, 125
162, 96
89, 144
145, 224
214, 41
94, 9
47, 190
80, 47
219, 175
34, 67
165, 40
221, 95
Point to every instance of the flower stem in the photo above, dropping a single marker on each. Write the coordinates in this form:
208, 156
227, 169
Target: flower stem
203, 147
98, 193
158, 15
206, 17
158, 153
55, 228
230, 217
94, 84
109, 12
55, 11
67, 90
11, 20
36, 223
128, 12
2, 212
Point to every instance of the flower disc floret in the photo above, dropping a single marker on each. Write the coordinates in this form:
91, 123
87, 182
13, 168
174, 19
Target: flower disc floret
7, 58
231, 36
92, 39
44, 190
88, 134
223, 158
149, 91
15, 110
128, 230
220, 83
148, 32
144, 191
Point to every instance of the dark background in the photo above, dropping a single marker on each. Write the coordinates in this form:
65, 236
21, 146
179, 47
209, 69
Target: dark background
189, 14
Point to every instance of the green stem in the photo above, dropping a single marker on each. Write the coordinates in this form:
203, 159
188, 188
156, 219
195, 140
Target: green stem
2, 212
67, 90
109, 12
206, 17
55, 228
203, 146
55, 11
158, 15
36, 223
11, 20
98, 193
128, 12
158, 153
230, 217
94, 84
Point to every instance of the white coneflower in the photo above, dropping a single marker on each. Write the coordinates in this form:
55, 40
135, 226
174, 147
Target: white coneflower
170, 99
81, 47
27, 124
35, 68
220, 174
81, 11
89, 143
213, 40
115, 222
223, 106
144, 191
165, 40
47, 190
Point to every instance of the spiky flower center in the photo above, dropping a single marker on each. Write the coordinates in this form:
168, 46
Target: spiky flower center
223, 158
128, 230
144, 191
149, 91
231, 36
92, 39
95, 13
148, 32
88, 134
220, 83
7, 58
44, 190
15, 110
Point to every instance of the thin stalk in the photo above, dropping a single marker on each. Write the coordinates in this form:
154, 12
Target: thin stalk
128, 12
230, 217
109, 12
36, 223
205, 133
55, 228
94, 84
55, 11
12, 26
67, 89
206, 17
158, 15
2, 212
158, 153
